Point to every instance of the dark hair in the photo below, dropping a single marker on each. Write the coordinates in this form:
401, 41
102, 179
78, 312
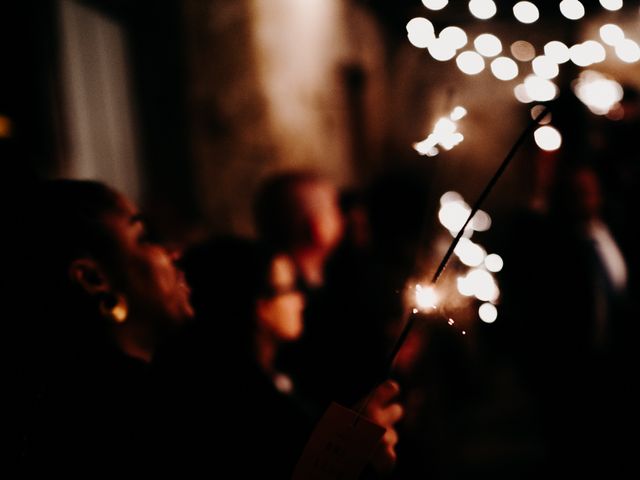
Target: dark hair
274, 207
61, 221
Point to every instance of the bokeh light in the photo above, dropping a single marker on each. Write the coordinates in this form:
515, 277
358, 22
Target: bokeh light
488, 45
470, 62
526, 12
493, 262
599, 93
521, 94
611, 34
441, 50
435, 4
628, 51
544, 67
548, 138
504, 68
488, 313
420, 32
557, 51
540, 89
611, 4
454, 36
482, 9
523, 51
572, 9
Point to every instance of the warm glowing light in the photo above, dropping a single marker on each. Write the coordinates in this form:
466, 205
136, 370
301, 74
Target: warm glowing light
469, 253
628, 51
572, 9
435, 4
488, 313
451, 321
483, 284
453, 215
458, 113
611, 34
557, 51
523, 51
611, 4
454, 37
544, 67
441, 50
488, 45
448, 197
548, 138
521, 94
504, 68
540, 89
415, 310
481, 221
427, 147
493, 262
599, 93
420, 32
595, 51
580, 55
426, 297
537, 110
470, 62
526, 12
464, 286
482, 9
444, 134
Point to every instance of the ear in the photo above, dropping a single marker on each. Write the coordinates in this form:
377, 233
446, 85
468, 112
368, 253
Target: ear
88, 273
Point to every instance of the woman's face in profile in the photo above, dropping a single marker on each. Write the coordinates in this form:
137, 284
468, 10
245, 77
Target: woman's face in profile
145, 271
281, 312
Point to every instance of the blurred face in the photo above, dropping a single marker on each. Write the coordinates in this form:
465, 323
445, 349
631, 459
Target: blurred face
319, 214
280, 314
145, 272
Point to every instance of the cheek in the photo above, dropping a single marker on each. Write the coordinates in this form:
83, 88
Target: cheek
152, 278
286, 318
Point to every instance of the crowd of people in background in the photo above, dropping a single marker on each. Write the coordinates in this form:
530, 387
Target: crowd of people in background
124, 361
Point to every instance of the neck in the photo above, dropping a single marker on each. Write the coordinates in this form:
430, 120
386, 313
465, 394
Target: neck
135, 341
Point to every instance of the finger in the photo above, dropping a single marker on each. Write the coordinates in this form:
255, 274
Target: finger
390, 438
393, 413
385, 392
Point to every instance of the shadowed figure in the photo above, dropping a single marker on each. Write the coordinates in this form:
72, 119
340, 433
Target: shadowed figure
100, 296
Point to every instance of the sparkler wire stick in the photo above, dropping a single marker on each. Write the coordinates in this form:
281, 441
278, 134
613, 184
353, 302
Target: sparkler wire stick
476, 206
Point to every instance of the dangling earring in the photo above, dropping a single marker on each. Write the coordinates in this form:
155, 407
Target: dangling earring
114, 307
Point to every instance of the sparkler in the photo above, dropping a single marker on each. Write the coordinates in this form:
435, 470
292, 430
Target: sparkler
485, 193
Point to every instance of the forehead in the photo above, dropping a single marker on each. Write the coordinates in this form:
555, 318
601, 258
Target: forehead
123, 214
315, 194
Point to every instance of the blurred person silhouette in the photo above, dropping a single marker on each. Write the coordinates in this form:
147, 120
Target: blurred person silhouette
249, 304
99, 296
594, 262
299, 213
566, 297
